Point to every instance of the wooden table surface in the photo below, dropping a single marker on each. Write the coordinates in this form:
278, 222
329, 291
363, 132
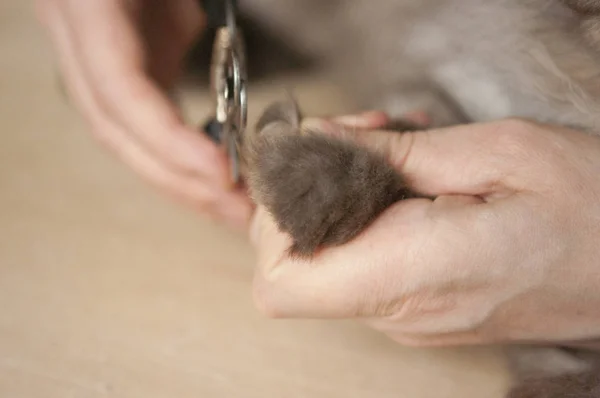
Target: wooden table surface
108, 289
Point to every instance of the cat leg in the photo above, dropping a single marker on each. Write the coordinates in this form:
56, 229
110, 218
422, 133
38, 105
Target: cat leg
321, 190
540, 361
554, 372
585, 384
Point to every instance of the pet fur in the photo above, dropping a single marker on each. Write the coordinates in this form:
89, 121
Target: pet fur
293, 172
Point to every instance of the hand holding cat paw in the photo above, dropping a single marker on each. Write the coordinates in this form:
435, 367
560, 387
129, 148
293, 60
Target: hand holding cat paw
507, 251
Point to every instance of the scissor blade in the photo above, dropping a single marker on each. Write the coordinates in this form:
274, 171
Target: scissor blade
230, 18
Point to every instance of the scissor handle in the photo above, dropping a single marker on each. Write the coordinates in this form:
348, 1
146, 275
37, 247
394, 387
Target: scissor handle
228, 81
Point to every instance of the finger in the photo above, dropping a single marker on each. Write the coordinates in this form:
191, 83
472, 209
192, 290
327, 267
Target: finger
113, 57
183, 188
419, 118
471, 159
459, 160
353, 280
378, 273
365, 120
169, 28
372, 120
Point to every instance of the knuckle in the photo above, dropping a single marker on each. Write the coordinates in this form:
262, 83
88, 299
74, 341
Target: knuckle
405, 310
382, 308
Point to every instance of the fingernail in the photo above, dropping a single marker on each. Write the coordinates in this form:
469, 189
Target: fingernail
314, 123
368, 119
420, 118
321, 126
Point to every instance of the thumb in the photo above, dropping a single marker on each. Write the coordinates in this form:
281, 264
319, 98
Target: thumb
468, 159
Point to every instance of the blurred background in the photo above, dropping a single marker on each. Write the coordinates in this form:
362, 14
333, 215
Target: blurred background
109, 289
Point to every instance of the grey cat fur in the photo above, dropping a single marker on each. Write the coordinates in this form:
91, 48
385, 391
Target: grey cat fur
323, 191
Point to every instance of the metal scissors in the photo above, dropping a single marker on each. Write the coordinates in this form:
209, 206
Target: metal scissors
228, 76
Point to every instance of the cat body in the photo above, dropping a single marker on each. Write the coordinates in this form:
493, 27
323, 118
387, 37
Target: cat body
469, 60
458, 60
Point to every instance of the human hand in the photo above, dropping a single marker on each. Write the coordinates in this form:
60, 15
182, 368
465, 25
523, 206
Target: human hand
117, 58
507, 251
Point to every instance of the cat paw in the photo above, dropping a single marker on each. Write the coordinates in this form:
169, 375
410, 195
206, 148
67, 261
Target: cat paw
321, 190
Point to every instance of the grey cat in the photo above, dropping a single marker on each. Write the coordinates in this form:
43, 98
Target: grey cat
459, 60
